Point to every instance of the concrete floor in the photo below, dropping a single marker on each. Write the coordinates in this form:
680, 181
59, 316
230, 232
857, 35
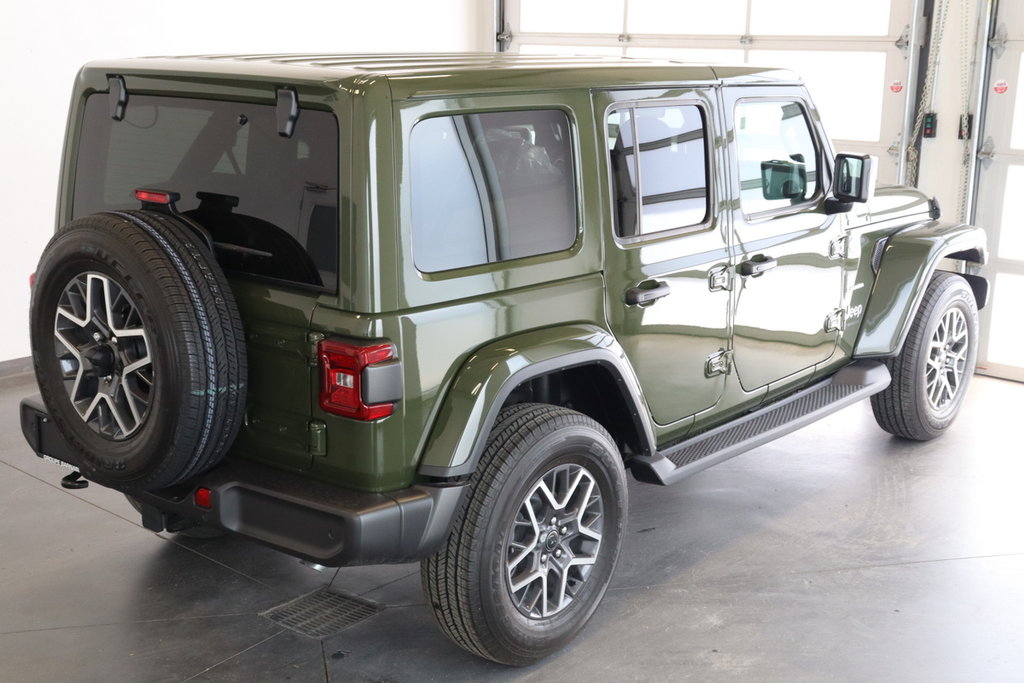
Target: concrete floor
836, 553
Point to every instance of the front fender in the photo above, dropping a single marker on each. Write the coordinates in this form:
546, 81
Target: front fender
485, 381
910, 258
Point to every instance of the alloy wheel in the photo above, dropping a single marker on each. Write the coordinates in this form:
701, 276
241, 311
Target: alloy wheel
947, 359
103, 352
554, 541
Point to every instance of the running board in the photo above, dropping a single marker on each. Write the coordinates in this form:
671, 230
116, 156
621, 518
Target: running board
856, 381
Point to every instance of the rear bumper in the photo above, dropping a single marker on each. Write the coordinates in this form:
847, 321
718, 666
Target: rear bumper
303, 517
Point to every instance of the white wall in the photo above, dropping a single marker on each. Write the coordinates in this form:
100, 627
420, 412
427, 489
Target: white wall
42, 44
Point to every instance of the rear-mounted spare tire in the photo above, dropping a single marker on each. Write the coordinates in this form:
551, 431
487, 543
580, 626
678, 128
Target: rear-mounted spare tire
138, 349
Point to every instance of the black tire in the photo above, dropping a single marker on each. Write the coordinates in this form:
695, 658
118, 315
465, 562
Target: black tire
930, 375
165, 401
197, 531
468, 584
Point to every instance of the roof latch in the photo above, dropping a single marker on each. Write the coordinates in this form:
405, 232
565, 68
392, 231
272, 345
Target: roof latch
118, 97
287, 111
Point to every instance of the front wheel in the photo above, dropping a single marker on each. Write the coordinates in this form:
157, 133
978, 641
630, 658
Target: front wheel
534, 546
931, 373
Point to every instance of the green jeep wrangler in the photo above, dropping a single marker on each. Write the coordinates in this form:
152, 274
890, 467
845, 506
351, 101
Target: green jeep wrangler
369, 309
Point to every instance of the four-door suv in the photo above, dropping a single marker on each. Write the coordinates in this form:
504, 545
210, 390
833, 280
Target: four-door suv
371, 309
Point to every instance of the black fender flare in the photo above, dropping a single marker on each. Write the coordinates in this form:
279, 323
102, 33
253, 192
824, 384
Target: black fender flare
910, 258
493, 372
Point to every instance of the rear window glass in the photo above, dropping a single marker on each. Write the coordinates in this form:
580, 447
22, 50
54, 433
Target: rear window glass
269, 202
491, 187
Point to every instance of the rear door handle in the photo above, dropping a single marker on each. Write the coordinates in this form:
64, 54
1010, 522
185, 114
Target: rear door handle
757, 265
647, 292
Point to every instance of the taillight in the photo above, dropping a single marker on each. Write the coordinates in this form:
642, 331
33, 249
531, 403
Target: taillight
358, 381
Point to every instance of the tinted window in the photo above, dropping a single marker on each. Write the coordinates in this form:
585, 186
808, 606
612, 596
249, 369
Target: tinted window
491, 187
269, 202
670, 145
778, 162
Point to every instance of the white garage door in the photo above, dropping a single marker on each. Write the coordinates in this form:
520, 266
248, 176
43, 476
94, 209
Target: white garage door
822, 40
1000, 186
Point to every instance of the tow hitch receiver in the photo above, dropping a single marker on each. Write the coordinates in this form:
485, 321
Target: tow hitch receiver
74, 481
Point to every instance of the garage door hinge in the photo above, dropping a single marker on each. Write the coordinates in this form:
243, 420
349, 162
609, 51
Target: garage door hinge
896, 148
504, 38
988, 150
997, 43
903, 42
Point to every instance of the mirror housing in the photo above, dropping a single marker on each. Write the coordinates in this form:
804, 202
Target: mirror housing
855, 176
783, 179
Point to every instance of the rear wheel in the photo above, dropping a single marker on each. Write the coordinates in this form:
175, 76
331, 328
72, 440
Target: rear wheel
930, 375
534, 547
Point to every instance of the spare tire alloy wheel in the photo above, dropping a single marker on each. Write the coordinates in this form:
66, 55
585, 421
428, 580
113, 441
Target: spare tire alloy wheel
103, 351
138, 349
535, 543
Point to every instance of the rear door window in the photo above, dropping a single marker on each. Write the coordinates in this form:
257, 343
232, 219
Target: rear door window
491, 187
672, 180
269, 202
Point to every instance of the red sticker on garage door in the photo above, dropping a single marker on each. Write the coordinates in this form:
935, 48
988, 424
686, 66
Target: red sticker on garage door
896, 86
1001, 87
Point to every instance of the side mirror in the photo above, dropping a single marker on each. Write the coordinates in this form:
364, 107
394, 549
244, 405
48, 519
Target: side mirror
783, 179
855, 177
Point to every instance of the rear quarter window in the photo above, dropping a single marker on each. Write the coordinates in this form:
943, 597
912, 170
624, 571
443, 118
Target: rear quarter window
491, 187
269, 202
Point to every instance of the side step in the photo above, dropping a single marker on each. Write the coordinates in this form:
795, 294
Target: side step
856, 381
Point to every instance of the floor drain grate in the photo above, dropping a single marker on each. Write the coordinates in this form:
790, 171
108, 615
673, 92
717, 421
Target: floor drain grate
321, 613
